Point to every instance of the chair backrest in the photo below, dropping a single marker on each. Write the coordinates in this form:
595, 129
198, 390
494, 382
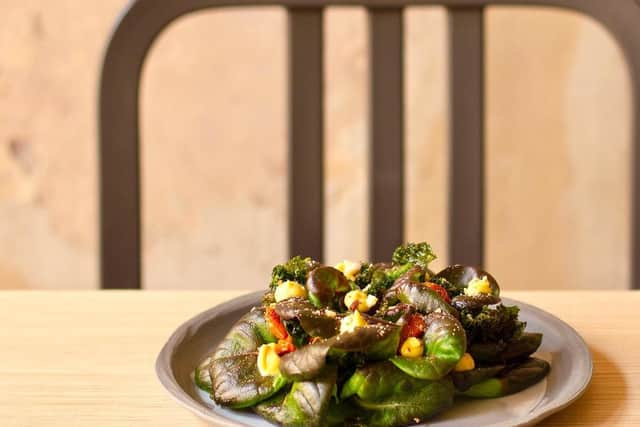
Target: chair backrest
120, 223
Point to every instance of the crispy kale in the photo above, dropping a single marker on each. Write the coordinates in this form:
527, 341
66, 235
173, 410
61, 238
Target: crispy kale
296, 269
363, 278
380, 281
377, 278
419, 254
492, 324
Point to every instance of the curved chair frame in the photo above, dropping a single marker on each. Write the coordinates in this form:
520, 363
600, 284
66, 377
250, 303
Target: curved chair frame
143, 20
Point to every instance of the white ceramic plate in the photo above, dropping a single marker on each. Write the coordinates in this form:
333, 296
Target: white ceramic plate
571, 368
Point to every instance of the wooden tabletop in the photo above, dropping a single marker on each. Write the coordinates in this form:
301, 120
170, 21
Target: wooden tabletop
87, 358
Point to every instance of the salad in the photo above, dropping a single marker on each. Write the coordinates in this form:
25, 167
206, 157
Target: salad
362, 344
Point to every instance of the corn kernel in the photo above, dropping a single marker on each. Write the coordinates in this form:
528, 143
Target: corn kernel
412, 347
268, 360
478, 286
466, 363
349, 268
351, 322
289, 289
365, 301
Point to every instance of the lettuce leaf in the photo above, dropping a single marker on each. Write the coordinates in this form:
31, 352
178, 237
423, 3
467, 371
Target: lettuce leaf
379, 380
376, 341
236, 381
412, 407
306, 404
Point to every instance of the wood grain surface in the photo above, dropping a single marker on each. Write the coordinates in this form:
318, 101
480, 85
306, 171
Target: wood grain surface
87, 358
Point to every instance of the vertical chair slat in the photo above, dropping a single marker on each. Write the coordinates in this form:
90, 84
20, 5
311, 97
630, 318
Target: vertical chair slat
466, 204
306, 158
120, 185
635, 184
119, 164
386, 181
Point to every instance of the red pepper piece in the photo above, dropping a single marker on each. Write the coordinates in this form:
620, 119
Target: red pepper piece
414, 327
276, 327
440, 290
285, 346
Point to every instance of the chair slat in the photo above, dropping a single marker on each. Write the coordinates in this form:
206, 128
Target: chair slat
119, 196
635, 185
119, 164
306, 157
386, 168
466, 204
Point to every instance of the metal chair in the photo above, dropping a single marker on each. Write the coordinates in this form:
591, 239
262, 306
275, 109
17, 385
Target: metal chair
120, 222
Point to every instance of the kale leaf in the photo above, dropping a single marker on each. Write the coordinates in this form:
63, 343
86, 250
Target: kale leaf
420, 254
296, 269
492, 324
377, 278
363, 278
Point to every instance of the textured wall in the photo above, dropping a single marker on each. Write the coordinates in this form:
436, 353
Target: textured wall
214, 130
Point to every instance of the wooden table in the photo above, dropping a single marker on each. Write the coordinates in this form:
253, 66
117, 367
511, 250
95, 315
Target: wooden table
87, 358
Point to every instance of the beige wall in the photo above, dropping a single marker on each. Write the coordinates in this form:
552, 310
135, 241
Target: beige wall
214, 129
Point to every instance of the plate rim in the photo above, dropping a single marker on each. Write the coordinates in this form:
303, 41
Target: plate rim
167, 378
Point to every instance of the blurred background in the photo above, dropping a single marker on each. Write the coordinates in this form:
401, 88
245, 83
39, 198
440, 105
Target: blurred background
214, 129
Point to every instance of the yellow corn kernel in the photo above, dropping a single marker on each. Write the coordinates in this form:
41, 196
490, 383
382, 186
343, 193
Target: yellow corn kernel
289, 289
351, 322
466, 363
365, 301
478, 286
412, 347
349, 268
268, 360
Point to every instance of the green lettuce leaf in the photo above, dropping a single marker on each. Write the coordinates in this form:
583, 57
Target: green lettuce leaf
465, 379
513, 379
375, 341
378, 380
306, 404
237, 383
245, 336
400, 409
445, 343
